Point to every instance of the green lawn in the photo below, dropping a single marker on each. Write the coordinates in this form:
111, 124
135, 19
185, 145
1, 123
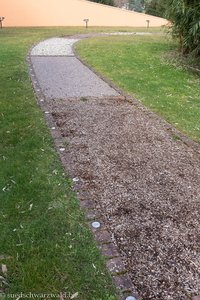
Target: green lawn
139, 65
44, 240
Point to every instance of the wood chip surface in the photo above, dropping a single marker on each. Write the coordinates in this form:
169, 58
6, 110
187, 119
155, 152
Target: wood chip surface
146, 184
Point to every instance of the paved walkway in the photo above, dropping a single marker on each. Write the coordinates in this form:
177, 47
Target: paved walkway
132, 171
62, 75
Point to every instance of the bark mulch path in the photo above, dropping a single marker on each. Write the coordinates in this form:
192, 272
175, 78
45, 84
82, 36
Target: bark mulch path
144, 183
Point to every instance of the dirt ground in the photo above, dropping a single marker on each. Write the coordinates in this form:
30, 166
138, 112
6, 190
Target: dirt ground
146, 183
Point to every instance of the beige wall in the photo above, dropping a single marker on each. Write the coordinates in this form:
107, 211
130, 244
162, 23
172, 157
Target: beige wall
70, 13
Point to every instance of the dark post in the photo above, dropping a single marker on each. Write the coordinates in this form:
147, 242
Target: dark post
86, 22
148, 21
1, 22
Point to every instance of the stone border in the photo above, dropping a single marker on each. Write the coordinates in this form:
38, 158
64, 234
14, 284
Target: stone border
105, 240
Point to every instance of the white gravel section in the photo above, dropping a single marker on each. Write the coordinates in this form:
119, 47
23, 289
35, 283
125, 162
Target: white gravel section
54, 47
128, 33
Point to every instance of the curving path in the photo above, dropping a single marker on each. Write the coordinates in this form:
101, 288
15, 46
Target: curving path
62, 75
132, 172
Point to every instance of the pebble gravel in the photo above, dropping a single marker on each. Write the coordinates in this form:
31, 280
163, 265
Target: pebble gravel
128, 33
54, 47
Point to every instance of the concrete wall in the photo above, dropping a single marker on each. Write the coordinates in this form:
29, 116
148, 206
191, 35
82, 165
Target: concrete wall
70, 13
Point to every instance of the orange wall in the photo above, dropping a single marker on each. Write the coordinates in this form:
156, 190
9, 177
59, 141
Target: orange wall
70, 13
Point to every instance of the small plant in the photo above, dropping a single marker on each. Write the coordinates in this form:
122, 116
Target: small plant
84, 99
176, 137
66, 143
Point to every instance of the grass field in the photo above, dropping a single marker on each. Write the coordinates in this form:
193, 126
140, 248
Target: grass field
140, 65
44, 241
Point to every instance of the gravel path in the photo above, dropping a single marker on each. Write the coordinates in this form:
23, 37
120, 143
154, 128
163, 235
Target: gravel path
143, 179
62, 75
54, 47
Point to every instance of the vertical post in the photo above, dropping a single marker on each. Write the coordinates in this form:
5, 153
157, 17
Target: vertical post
1, 22
148, 21
86, 22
